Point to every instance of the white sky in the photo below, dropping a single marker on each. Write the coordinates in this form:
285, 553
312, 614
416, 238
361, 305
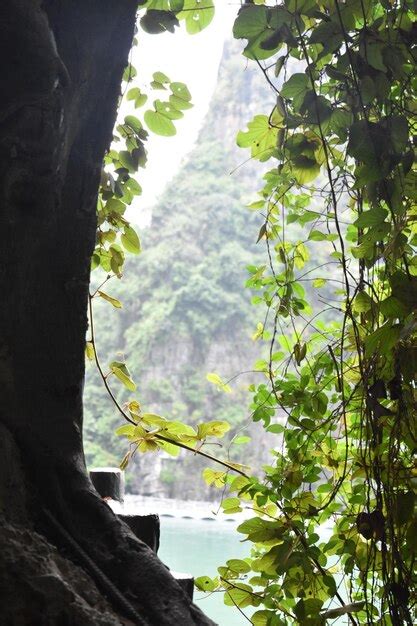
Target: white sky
191, 59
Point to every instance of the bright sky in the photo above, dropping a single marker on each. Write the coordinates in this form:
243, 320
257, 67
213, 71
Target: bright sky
191, 59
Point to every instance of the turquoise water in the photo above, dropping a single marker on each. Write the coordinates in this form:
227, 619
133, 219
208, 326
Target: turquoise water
198, 547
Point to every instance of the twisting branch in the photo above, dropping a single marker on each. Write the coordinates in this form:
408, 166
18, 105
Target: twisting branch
178, 444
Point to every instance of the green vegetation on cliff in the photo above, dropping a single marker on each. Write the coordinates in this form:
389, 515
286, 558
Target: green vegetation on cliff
185, 312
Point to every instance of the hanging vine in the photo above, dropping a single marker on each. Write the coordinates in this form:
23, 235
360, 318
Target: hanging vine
146, 432
334, 524
335, 527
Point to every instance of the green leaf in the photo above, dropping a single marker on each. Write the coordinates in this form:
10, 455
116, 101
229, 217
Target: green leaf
254, 524
116, 259
368, 89
307, 607
382, 340
121, 372
169, 448
300, 351
130, 240
95, 261
265, 28
260, 137
295, 89
114, 301
404, 289
197, 15
328, 34
153, 419
263, 618
155, 22
241, 440
412, 537
127, 430
374, 56
141, 100
180, 99
399, 133
129, 73
213, 477
393, 307
241, 596
276, 429
216, 380
180, 91
138, 97
371, 218
115, 206
160, 77
317, 235
128, 161
315, 109
133, 93
90, 352
362, 303
159, 124
252, 24
180, 103
213, 429
177, 430
133, 186
279, 65
237, 565
134, 123
301, 255
367, 142
262, 232
404, 506
205, 583
340, 121
168, 110
231, 503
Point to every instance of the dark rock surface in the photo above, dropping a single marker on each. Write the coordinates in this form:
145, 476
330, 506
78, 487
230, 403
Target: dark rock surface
39, 587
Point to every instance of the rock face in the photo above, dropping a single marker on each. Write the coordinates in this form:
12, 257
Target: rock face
43, 588
40, 584
56, 126
37, 585
14, 500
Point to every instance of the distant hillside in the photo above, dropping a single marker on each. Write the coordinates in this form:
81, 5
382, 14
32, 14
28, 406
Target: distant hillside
185, 311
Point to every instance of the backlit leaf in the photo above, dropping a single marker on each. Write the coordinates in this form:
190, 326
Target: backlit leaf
114, 301
159, 124
130, 240
121, 372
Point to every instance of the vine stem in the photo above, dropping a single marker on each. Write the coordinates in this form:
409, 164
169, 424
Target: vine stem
304, 543
179, 444
349, 298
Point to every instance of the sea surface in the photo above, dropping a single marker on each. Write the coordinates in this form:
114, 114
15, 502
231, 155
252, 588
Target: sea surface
195, 539
198, 547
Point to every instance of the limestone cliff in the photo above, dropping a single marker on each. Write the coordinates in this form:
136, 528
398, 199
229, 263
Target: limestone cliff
186, 311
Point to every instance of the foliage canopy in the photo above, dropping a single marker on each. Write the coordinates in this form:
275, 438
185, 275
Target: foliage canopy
334, 528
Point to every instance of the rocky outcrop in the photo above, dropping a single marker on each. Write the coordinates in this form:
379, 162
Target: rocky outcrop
37, 584
43, 588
